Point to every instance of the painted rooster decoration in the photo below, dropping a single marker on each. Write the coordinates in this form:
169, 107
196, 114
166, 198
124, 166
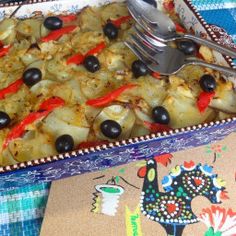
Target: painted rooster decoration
172, 208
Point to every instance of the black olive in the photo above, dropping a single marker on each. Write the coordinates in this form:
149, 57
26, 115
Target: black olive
111, 129
5, 120
139, 69
110, 31
151, 2
207, 83
32, 76
53, 23
64, 143
91, 63
187, 47
160, 115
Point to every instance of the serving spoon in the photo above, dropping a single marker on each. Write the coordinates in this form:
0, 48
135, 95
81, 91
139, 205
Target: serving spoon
163, 29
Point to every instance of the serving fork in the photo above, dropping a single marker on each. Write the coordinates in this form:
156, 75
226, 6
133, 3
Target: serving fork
163, 29
167, 60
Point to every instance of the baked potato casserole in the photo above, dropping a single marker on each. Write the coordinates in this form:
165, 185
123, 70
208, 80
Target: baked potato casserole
69, 82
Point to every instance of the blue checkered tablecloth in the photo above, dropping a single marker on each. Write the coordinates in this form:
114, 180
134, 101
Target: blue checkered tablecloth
22, 210
219, 12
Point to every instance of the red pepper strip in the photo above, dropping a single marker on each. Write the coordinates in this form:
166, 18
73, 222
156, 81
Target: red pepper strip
96, 50
4, 50
180, 28
19, 129
204, 100
169, 6
156, 75
56, 34
75, 59
118, 22
155, 127
49, 105
79, 58
68, 18
12, 88
199, 55
110, 97
90, 144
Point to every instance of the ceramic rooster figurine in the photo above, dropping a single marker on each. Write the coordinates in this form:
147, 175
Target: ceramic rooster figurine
172, 208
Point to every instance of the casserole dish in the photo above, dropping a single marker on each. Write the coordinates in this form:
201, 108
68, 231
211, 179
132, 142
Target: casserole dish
120, 152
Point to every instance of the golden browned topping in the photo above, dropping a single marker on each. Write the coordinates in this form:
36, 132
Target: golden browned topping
69, 82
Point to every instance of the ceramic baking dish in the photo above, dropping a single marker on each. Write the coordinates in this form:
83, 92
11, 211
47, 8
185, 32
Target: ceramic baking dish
121, 152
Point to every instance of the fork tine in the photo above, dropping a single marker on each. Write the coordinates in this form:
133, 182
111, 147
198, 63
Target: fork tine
136, 51
145, 24
143, 36
149, 27
147, 49
138, 17
133, 11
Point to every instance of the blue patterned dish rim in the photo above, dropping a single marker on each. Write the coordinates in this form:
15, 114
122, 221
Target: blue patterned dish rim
120, 152
214, 32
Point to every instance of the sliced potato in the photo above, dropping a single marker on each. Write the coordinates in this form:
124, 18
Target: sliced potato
84, 41
29, 58
11, 64
178, 86
10, 39
225, 98
29, 27
90, 20
206, 54
43, 88
223, 116
39, 64
142, 116
151, 90
72, 115
59, 69
32, 147
115, 57
6, 157
44, 31
114, 11
184, 112
190, 73
19, 49
112, 61
77, 96
95, 86
49, 48
48, 88
70, 121
18, 104
7, 28
91, 113
139, 130
8, 78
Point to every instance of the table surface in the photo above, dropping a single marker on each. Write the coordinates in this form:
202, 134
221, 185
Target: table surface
22, 210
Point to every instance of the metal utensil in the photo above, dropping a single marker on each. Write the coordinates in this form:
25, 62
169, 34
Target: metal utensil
163, 29
167, 60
